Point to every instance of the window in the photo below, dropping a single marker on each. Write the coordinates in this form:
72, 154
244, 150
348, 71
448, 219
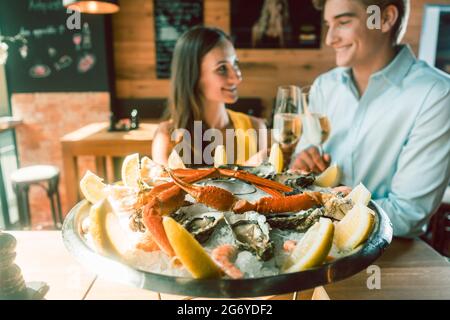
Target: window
8, 161
4, 105
435, 39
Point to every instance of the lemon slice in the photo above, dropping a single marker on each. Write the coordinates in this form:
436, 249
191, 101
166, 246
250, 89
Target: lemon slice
354, 228
329, 178
220, 156
92, 187
146, 165
108, 236
175, 161
189, 251
360, 195
313, 248
130, 170
276, 157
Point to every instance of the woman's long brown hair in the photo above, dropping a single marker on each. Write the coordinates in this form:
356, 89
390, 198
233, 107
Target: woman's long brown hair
185, 99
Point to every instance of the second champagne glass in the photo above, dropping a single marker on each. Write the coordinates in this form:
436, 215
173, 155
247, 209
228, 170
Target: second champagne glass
316, 126
287, 121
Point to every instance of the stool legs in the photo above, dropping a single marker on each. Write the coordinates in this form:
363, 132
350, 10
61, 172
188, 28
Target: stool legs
45, 176
55, 203
52, 205
58, 203
23, 205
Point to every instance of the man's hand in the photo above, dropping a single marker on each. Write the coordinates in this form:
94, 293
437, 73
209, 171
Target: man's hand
310, 160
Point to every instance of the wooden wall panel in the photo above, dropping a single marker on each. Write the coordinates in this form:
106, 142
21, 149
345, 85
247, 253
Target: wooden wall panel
263, 70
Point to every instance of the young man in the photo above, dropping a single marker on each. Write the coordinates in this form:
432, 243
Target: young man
389, 114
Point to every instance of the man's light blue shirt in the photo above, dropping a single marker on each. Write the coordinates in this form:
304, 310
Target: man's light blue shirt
395, 138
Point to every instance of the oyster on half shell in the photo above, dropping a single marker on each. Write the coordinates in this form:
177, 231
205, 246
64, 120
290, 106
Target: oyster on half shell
198, 220
295, 180
299, 221
251, 232
292, 178
336, 206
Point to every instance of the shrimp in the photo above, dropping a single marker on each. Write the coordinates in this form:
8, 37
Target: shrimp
147, 244
289, 245
223, 255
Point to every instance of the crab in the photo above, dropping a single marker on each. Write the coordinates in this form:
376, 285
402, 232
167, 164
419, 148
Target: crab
164, 199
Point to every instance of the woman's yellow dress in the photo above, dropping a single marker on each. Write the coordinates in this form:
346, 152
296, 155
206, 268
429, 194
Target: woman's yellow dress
246, 136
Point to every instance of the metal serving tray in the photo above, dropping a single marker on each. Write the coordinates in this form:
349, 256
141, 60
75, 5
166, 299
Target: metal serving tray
334, 271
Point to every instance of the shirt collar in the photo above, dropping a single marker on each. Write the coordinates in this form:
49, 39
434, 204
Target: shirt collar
346, 74
395, 71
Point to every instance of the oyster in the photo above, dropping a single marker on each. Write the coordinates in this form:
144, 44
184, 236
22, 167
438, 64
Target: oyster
295, 180
189, 211
202, 226
335, 206
292, 178
264, 170
299, 221
251, 232
198, 220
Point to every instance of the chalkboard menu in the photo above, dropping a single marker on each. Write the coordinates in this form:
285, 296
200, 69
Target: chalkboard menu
172, 18
61, 53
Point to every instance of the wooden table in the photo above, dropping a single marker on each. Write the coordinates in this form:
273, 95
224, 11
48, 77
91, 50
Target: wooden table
410, 269
42, 257
96, 140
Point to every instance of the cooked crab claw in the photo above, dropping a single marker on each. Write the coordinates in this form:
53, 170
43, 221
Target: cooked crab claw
280, 204
214, 197
251, 178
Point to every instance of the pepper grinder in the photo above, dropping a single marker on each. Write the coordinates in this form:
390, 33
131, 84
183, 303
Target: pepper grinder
12, 283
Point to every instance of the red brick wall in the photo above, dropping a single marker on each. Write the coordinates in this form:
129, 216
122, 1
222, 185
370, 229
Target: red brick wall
46, 118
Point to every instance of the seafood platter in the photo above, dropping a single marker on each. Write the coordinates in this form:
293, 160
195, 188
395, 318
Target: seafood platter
225, 231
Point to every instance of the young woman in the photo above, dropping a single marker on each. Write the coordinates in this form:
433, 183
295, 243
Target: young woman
205, 77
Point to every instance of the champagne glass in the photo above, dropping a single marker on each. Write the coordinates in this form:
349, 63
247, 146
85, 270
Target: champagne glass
287, 123
316, 126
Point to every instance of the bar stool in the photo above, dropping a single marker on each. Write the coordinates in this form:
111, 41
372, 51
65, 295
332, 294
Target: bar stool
40, 175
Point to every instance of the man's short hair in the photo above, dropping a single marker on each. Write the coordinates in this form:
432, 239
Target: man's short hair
403, 7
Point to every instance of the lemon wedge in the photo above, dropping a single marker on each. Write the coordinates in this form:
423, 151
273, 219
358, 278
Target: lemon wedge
130, 170
146, 165
313, 248
360, 195
276, 157
220, 156
329, 178
92, 187
175, 161
108, 236
189, 251
354, 228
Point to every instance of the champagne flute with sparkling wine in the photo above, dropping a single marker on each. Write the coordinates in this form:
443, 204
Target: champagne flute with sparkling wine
316, 126
287, 121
